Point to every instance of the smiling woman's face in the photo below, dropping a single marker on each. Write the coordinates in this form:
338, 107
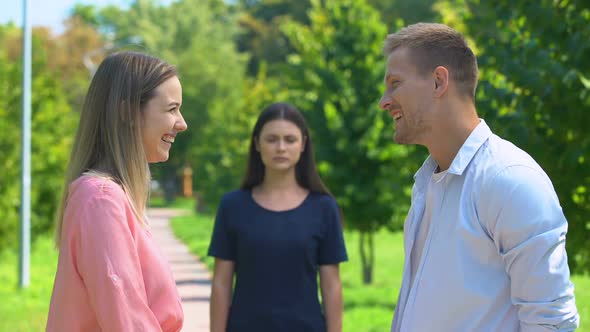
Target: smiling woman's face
161, 120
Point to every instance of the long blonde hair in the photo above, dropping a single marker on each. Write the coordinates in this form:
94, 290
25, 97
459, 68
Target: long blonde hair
109, 139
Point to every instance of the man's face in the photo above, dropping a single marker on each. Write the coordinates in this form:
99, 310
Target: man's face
408, 98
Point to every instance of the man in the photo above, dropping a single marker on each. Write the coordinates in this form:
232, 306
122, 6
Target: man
485, 234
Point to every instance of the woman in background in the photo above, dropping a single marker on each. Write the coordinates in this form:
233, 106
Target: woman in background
275, 234
110, 275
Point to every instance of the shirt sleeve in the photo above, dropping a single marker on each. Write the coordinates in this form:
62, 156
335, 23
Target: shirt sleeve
529, 229
222, 243
332, 249
107, 260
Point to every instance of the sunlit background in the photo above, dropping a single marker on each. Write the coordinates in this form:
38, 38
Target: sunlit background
235, 57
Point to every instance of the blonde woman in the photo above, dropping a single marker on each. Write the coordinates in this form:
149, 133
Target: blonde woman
110, 275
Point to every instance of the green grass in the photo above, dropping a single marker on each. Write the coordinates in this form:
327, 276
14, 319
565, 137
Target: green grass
582, 284
195, 232
26, 310
186, 203
367, 308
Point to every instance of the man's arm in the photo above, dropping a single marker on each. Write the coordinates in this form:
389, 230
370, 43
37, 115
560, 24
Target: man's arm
523, 216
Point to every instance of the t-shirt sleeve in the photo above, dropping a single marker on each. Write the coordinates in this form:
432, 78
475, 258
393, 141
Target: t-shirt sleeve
222, 243
108, 263
332, 249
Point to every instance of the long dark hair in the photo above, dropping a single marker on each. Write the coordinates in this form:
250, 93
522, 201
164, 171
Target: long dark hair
306, 173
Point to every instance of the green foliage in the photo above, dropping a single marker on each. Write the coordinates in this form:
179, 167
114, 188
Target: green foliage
403, 12
534, 90
261, 34
52, 129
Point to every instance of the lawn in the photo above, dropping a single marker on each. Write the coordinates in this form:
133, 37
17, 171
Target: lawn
178, 203
26, 310
367, 308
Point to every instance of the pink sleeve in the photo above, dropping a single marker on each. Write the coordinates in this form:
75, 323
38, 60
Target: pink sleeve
107, 260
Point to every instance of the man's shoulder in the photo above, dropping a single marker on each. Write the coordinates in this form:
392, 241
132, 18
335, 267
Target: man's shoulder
500, 165
498, 156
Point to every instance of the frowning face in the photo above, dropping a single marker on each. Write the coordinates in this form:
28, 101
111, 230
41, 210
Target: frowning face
280, 145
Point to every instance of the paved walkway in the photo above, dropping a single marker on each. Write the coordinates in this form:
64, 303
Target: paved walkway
192, 277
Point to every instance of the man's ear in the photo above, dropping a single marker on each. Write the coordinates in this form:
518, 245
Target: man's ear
440, 76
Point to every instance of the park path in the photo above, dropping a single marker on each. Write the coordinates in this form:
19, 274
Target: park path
192, 277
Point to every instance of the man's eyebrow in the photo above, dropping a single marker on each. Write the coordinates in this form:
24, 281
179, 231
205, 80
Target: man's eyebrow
390, 76
387, 77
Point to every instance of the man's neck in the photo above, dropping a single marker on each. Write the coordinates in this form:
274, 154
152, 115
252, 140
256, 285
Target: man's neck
450, 136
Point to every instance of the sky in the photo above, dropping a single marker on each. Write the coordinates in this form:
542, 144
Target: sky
50, 12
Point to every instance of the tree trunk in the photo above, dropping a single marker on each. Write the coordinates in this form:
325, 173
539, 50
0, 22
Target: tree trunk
366, 248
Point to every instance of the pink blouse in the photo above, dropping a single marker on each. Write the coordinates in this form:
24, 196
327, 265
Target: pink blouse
110, 276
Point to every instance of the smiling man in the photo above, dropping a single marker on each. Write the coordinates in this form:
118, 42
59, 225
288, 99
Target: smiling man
485, 234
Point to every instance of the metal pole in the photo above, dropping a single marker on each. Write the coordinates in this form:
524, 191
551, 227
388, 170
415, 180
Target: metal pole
25, 225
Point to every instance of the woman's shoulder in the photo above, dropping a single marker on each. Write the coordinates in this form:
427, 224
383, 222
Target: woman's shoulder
95, 185
323, 198
235, 197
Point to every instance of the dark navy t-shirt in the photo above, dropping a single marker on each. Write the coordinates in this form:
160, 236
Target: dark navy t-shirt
276, 256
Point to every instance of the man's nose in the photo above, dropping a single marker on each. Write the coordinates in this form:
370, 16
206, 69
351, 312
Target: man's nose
385, 102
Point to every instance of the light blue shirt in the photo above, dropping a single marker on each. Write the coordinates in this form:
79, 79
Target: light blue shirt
494, 257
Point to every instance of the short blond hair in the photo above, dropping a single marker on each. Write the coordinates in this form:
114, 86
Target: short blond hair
432, 45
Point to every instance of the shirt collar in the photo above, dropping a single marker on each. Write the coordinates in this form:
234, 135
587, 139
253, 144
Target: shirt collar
466, 153
476, 139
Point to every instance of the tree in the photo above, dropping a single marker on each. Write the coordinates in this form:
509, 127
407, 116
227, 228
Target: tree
261, 34
336, 76
407, 11
52, 130
535, 90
